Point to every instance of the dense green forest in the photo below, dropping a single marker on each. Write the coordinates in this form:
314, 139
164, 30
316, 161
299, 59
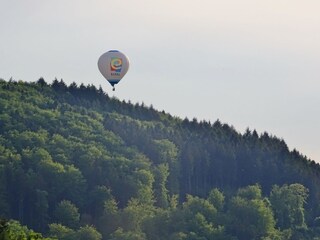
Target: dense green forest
77, 164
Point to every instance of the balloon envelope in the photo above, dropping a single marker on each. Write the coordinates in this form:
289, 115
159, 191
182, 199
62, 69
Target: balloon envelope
113, 65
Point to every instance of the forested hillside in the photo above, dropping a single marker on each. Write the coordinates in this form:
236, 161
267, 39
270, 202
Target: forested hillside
77, 164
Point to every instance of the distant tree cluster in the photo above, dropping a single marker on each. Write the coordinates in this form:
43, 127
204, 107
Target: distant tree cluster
12, 230
77, 164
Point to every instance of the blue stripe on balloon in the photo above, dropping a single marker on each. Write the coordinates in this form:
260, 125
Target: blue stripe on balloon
113, 81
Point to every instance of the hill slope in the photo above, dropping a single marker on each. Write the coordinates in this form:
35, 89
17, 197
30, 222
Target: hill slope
69, 148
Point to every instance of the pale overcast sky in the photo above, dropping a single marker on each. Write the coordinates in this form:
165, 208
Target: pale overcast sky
249, 63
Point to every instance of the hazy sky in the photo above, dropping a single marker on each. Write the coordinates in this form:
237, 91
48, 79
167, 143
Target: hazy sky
249, 63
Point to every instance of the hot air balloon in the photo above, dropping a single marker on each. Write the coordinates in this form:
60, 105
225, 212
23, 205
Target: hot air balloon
113, 65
